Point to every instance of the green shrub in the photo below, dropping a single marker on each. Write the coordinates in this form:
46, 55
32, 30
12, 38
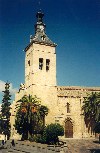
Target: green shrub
42, 139
37, 138
51, 133
34, 138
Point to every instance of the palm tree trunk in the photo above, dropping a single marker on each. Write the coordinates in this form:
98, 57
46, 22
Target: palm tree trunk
43, 121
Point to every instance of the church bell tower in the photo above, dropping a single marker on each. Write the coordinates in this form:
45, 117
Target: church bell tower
40, 58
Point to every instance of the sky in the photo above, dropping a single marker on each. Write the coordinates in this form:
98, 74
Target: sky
74, 25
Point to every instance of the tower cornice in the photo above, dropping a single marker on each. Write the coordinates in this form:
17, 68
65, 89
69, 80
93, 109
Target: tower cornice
41, 43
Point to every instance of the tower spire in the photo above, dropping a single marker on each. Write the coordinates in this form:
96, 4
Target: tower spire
40, 34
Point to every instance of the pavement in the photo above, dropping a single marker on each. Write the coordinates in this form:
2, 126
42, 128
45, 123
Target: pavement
71, 146
83, 146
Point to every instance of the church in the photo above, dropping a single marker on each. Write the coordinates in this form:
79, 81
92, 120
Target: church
64, 102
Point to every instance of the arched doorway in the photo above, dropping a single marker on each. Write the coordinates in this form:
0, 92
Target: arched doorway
68, 129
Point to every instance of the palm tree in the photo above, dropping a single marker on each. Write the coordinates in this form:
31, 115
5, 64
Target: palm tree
91, 109
97, 129
29, 116
91, 106
43, 110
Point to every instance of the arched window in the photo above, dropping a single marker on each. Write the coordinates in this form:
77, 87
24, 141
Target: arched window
68, 108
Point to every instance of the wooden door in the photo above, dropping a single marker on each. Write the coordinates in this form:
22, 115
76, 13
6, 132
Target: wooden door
68, 129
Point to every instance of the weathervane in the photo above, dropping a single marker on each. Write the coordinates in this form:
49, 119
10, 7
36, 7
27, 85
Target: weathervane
39, 3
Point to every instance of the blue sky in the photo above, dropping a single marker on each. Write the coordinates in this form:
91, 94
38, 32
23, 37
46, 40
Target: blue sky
73, 24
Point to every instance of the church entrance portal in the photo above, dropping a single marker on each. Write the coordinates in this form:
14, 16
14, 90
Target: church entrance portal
68, 129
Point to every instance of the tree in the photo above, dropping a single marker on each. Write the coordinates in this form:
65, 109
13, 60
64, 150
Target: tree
30, 116
5, 111
43, 110
51, 133
97, 129
91, 109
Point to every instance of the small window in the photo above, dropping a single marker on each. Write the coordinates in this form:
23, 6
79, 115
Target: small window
43, 38
68, 108
29, 62
47, 64
40, 63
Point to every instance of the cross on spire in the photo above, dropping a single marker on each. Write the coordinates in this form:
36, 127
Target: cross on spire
39, 4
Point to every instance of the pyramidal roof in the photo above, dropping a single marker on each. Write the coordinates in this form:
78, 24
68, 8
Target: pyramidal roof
40, 36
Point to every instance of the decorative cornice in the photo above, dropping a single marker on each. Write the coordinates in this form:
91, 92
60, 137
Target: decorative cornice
75, 91
41, 43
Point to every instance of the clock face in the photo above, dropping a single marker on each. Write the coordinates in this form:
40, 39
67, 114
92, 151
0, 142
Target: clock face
42, 28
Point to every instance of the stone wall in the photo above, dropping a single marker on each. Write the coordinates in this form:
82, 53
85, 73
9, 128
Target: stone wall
74, 96
34, 75
56, 99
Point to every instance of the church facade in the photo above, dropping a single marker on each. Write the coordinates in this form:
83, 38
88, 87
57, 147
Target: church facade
64, 102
